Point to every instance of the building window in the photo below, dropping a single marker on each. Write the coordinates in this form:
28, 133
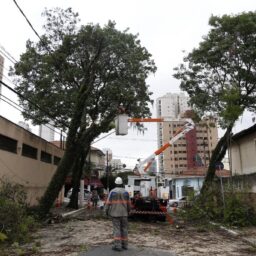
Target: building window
46, 157
56, 160
8, 144
29, 151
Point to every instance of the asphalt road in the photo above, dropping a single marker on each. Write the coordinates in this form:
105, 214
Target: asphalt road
132, 251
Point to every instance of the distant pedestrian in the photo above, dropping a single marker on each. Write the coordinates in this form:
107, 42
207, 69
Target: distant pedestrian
95, 198
118, 207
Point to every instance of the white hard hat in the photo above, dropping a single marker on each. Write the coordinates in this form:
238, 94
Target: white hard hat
118, 181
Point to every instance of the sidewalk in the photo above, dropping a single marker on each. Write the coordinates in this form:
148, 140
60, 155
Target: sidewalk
248, 235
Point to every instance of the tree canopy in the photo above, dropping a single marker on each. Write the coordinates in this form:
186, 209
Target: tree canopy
108, 65
220, 74
80, 77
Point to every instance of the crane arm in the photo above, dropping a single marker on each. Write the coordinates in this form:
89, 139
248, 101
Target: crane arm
179, 133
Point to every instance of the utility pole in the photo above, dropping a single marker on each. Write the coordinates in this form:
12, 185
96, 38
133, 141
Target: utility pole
107, 174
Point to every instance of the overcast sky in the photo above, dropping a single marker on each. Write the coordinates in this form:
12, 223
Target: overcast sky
165, 27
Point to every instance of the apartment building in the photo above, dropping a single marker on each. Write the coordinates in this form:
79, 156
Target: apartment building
1, 73
1, 67
192, 150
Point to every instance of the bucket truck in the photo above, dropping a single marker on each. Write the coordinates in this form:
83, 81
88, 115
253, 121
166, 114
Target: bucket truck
149, 194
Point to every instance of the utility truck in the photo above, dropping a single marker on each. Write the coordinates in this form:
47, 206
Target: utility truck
150, 194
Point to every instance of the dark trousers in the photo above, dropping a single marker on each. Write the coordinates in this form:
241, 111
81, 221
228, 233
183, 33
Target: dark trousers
120, 231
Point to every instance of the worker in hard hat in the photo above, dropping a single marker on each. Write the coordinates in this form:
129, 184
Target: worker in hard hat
118, 206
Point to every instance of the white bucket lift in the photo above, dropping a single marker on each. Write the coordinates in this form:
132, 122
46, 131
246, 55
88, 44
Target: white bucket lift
122, 124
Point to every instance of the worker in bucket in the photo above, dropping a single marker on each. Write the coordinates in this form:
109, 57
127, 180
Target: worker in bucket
117, 207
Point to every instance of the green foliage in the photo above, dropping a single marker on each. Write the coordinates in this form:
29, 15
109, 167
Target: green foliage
219, 75
209, 206
110, 180
80, 76
3, 237
123, 175
109, 67
238, 212
15, 223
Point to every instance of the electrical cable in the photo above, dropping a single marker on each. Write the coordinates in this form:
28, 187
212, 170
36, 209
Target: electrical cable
6, 56
103, 137
60, 133
6, 52
120, 139
8, 102
27, 20
31, 102
1, 95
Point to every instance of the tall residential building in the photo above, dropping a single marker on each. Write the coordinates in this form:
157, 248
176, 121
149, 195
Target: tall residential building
192, 150
24, 125
1, 67
170, 105
46, 132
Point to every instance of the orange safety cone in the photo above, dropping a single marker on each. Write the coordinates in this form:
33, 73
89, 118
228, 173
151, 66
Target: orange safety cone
88, 205
57, 205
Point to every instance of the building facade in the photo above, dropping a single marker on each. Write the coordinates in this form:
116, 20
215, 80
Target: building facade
192, 150
1, 73
46, 132
1, 67
27, 159
168, 106
243, 152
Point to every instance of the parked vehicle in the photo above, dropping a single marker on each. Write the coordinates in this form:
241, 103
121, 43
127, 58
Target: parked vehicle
177, 202
87, 194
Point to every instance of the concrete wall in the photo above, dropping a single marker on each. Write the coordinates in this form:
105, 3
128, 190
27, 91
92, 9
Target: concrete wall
178, 183
33, 174
243, 155
246, 184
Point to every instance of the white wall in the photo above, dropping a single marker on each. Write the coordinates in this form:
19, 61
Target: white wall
195, 182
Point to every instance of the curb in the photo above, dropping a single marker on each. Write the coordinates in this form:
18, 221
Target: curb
236, 234
68, 214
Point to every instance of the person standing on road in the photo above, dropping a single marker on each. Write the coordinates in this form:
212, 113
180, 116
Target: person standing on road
118, 207
95, 198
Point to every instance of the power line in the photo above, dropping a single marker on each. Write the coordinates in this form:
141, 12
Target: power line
31, 102
103, 137
11, 58
8, 102
5, 55
27, 20
60, 133
135, 139
12, 102
128, 157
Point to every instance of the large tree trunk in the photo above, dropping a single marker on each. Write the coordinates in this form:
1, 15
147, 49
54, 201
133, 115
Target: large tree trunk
66, 162
77, 173
217, 156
